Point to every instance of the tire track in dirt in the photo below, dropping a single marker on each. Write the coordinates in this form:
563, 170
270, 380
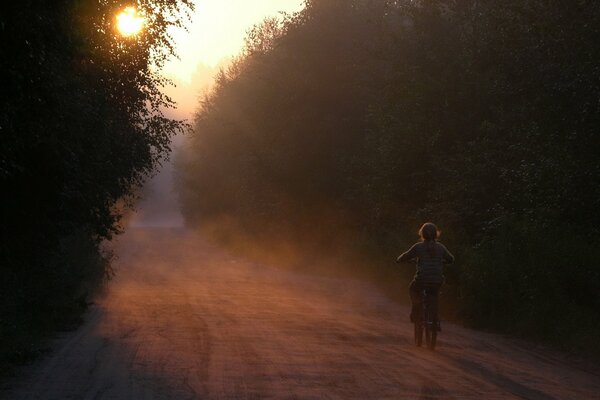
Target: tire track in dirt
187, 320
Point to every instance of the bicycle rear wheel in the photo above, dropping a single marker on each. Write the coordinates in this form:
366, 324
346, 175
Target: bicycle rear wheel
430, 335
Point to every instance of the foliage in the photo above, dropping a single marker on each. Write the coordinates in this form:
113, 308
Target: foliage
371, 117
81, 125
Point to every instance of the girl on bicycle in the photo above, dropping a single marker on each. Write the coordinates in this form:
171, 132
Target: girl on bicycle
430, 256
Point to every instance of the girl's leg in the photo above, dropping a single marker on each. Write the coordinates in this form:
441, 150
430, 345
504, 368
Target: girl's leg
415, 299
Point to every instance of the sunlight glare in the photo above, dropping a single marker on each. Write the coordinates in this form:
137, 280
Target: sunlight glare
217, 31
129, 22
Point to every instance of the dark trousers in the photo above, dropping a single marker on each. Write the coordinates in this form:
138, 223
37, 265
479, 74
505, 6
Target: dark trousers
416, 289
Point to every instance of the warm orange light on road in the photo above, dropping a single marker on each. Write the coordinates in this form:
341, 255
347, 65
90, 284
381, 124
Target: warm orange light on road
129, 22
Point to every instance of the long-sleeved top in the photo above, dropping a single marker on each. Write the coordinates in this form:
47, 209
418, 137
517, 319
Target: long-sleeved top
430, 256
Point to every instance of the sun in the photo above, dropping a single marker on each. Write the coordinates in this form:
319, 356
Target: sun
129, 22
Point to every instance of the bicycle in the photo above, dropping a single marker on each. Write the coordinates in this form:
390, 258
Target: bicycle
427, 322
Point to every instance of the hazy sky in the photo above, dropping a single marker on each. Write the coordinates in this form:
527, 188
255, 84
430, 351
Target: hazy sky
215, 34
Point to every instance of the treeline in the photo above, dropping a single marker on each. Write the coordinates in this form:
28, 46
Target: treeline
81, 126
371, 117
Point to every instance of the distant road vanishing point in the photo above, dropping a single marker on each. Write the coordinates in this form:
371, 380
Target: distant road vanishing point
184, 319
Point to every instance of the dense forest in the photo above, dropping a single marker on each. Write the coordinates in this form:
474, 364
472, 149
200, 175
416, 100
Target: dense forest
348, 124
81, 127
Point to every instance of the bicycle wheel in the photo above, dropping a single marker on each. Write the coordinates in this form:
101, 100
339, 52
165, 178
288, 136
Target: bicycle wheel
418, 333
430, 335
430, 327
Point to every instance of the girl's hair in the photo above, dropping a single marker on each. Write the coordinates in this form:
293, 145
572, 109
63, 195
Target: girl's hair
429, 231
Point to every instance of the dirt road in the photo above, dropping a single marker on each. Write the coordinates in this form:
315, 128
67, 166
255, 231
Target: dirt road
186, 320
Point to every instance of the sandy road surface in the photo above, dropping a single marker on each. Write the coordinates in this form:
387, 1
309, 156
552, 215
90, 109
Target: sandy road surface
185, 320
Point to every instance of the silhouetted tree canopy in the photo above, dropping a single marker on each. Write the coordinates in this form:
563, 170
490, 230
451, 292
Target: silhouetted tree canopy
376, 116
81, 125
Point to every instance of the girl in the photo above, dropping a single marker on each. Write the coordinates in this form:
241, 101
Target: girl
430, 256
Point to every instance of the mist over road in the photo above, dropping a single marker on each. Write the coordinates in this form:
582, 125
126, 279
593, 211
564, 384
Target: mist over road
184, 319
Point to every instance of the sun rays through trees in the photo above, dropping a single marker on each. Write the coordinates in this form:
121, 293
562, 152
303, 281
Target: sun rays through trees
369, 117
81, 126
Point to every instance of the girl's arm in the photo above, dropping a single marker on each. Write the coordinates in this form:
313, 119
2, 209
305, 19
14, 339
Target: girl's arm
448, 257
408, 255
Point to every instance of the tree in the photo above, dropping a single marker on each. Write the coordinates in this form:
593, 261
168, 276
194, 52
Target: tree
81, 126
371, 117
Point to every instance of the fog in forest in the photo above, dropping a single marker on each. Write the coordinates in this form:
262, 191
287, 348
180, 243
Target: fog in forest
157, 204
318, 139
339, 130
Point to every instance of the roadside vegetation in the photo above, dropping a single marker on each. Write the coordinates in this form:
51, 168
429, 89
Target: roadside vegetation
346, 125
81, 127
